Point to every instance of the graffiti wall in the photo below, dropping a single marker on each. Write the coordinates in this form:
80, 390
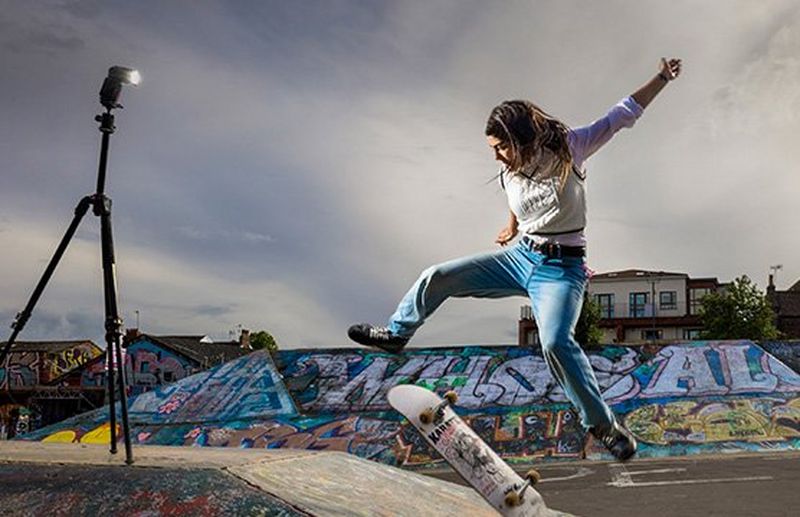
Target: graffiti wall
678, 399
22, 370
382, 437
503, 377
248, 387
149, 365
788, 352
753, 420
69, 359
93, 374
709, 397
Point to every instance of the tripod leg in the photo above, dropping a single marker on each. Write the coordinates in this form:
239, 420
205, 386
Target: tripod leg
113, 322
22, 317
112, 405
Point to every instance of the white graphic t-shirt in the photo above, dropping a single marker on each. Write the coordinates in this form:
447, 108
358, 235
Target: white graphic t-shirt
547, 213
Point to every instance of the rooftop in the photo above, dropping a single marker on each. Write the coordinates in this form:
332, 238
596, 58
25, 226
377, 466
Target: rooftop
637, 273
49, 347
198, 348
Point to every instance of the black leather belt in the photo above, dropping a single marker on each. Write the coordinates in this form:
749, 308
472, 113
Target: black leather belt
554, 250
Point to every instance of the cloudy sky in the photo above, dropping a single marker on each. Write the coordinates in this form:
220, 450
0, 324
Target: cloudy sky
293, 166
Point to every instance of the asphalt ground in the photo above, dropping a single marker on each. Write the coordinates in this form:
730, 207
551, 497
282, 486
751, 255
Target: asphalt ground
766, 484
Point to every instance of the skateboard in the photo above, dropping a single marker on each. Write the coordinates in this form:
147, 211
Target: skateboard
461, 447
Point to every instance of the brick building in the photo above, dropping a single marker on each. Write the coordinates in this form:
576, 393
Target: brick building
641, 306
786, 305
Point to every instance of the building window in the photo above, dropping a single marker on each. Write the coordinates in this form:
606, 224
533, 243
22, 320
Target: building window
696, 299
606, 303
668, 300
691, 334
652, 334
638, 305
169, 376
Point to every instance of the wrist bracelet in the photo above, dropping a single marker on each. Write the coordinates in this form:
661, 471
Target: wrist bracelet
661, 75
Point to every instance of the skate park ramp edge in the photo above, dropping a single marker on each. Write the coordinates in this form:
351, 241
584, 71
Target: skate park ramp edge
44, 478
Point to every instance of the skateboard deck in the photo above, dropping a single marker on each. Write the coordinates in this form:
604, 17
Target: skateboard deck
463, 449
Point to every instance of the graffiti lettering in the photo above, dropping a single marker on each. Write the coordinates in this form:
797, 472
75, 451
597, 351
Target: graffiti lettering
72, 358
149, 366
21, 369
509, 377
708, 369
243, 388
716, 421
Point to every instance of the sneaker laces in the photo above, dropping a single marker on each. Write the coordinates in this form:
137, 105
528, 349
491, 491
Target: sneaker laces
609, 436
609, 439
380, 333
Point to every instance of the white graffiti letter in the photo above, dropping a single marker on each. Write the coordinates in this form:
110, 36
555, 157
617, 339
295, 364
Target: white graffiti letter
683, 365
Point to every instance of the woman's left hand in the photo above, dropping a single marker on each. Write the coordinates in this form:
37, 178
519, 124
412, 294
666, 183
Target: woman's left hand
506, 235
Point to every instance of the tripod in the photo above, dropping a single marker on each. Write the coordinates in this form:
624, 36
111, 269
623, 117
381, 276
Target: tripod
101, 207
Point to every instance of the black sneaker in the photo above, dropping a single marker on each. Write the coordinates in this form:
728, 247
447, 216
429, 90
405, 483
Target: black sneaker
379, 337
618, 440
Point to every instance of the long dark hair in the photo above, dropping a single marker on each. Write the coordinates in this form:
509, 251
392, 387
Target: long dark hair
531, 134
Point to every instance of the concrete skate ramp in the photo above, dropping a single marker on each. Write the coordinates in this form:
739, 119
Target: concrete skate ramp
247, 387
703, 397
69, 479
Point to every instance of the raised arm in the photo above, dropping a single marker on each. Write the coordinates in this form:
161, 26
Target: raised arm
670, 70
586, 140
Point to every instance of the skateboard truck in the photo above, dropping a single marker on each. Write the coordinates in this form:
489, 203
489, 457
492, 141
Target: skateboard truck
435, 414
514, 498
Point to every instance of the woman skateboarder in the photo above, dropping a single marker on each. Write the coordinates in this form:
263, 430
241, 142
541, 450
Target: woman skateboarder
543, 176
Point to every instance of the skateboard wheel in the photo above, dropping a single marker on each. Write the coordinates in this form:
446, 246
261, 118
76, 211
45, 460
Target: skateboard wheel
426, 417
451, 396
512, 499
533, 476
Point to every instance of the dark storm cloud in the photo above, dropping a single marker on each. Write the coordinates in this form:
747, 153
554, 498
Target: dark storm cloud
212, 310
28, 29
48, 325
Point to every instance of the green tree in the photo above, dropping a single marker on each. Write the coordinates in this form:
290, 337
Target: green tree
587, 330
740, 312
263, 339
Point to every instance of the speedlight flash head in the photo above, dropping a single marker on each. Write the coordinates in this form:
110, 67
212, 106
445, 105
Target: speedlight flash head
112, 85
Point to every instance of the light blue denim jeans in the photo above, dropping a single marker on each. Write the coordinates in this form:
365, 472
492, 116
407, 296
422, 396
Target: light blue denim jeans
555, 287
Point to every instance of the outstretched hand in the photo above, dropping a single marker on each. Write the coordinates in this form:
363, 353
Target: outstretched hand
670, 69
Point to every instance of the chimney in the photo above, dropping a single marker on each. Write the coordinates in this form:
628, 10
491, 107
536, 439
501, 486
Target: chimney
131, 335
771, 285
244, 340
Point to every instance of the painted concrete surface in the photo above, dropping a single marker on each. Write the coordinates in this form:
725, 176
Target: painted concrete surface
684, 398
787, 352
29, 489
246, 387
69, 479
